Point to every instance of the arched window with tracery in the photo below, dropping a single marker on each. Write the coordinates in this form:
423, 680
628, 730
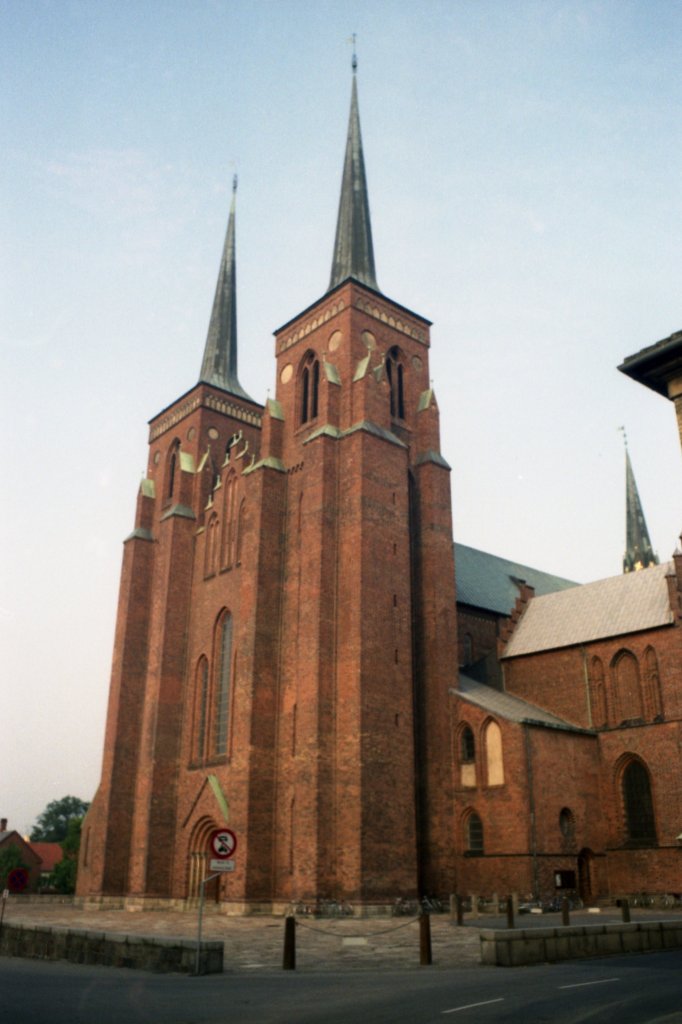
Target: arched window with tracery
309, 388
597, 693
628, 695
653, 707
493, 754
638, 805
395, 374
223, 684
467, 745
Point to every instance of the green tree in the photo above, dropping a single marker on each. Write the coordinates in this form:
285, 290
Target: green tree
10, 858
53, 824
63, 877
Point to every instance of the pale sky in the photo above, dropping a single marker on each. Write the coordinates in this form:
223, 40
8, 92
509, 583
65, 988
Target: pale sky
523, 162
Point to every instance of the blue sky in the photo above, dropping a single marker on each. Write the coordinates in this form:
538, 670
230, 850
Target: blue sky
523, 168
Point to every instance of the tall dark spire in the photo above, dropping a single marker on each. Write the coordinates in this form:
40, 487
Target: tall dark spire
353, 250
639, 553
219, 365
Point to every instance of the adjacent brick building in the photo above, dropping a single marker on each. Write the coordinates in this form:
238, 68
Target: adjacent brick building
287, 634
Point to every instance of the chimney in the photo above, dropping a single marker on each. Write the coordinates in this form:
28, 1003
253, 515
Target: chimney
3, 824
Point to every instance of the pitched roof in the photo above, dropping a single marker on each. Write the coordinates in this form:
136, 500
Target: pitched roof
610, 607
487, 581
504, 705
49, 853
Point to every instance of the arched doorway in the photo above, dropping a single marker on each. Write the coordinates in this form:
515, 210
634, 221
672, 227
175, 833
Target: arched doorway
198, 858
585, 879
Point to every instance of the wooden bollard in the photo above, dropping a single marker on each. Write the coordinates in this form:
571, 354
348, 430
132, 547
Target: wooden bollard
565, 912
510, 912
289, 958
425, 940
625, 910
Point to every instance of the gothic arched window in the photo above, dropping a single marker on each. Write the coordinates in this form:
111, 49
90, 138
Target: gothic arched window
223, 682
467, 746
628, 695
638, 805
309, 387
200, 711
493, 753
395, 373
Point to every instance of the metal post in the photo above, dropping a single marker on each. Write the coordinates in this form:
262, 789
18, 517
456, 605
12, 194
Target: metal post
510, 912
289, 959
197, 964
625, 910
425, 940
565, 915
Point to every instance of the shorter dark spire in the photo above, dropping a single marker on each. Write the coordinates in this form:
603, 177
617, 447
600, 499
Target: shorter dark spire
219, 366
353, 249
639, 553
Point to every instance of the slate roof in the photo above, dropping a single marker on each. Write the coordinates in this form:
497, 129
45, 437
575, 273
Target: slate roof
504, 705
487, 581
593, 611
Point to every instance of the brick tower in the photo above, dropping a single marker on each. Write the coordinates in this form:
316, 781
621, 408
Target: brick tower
286, 624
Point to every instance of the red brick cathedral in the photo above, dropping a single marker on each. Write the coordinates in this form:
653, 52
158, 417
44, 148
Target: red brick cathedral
287, 662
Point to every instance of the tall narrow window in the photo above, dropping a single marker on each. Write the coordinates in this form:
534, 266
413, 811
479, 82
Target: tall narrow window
652, 685
201, 710
172, 469
222, 701
474, 834
309, 388
395, 375
493, 753
597, 693
639, 805
467, 747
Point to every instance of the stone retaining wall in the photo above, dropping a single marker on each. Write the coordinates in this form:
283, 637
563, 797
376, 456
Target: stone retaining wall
519, 946
110, 950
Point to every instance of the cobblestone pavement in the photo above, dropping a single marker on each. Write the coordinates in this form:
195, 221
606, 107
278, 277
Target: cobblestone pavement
257, 943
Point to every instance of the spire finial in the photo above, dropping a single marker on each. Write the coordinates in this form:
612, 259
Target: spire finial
235, 179
354, 60
622, 430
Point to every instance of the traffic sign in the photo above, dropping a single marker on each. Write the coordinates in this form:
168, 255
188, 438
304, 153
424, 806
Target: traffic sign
223, 843
221, 865
17, 880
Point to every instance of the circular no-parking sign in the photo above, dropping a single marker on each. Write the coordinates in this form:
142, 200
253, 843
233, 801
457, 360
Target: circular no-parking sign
17, 880
223, 843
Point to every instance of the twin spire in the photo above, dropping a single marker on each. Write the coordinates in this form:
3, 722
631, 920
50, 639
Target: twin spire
353, 257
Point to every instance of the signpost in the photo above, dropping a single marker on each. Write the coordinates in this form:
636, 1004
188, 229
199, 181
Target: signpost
222, 844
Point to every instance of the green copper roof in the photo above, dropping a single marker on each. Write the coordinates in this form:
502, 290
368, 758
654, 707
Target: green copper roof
219, 365
639, 554
487, 581
353, 250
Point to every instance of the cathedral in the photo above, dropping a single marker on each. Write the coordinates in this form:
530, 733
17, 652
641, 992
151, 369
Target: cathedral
304, 657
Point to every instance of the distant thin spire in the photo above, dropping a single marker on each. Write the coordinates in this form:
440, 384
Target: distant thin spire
639, 553
219, 365
353, 249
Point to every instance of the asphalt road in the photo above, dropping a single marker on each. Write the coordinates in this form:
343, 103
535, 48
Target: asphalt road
642, 989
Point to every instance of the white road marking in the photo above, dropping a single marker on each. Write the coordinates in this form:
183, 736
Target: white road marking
583, 984
470, 1006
